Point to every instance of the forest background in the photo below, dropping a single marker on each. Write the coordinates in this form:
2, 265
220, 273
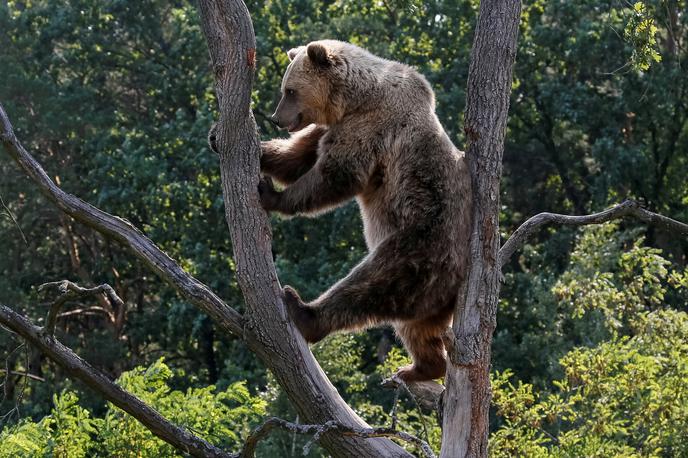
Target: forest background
590, 356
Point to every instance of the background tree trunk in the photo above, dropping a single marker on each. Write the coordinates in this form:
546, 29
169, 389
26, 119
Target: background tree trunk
467, 395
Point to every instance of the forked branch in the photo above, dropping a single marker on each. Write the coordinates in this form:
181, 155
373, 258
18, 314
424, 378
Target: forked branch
70, 291
99, 382
626, 208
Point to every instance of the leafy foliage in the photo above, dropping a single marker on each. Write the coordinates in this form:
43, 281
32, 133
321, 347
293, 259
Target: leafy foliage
625, 397
641, 32
221, 417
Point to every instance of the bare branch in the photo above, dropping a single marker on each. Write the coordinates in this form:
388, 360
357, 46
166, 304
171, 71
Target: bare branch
331, 426
96, 380
96, 310
24, 374
426, 395
70, 291
10, 215
626, 208
124, 232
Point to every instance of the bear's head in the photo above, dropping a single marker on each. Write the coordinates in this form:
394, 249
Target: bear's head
309, 86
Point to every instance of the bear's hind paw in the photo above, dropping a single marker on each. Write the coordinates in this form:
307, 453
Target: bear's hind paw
305, 318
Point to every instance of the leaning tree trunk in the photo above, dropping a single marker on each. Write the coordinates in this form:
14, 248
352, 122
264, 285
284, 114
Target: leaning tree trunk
268, 331
468, 394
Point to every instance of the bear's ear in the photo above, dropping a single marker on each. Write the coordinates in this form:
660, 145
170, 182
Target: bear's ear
319, 55
293, 52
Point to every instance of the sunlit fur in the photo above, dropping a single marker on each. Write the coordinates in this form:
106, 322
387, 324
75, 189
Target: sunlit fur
376, 139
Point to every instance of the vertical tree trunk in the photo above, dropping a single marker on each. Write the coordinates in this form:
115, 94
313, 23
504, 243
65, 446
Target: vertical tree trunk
467, 396
268, 331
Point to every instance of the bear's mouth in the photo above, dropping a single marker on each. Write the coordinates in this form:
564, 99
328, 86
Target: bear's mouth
297, 125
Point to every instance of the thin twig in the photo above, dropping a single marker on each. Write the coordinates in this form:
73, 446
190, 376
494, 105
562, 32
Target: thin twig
24, 374
14, 220
395, 406
91, 311
18, 401
627, 208
6, 382
420, 411
428, 392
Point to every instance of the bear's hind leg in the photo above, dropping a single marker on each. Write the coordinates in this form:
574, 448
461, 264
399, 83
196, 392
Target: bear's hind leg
423, 340
394, 282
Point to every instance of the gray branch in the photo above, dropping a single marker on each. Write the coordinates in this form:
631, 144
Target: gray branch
124, 232
23, 374
70, 291
331, 426
427, 394
78, 368
627, 208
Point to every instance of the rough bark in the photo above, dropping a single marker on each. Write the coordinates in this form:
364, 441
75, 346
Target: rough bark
467, 396
269, 333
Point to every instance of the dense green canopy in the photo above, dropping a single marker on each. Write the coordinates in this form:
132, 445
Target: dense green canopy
115, 99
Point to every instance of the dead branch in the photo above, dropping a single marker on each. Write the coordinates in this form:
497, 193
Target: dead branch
270, 424
627, 208
124, 232
426, 395
24, 374
96, 310
10, 215
71, 291
99, 382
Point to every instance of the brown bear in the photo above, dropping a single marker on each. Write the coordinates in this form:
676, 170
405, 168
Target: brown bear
365, 127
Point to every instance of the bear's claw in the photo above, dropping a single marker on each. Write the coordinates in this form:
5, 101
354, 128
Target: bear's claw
305, 318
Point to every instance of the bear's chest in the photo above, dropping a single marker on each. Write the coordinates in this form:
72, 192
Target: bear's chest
375, 208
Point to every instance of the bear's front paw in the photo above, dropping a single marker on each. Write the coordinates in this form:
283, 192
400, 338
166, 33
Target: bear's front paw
305, 318
269, 198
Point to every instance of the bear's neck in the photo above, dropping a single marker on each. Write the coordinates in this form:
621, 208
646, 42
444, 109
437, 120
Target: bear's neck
386, 86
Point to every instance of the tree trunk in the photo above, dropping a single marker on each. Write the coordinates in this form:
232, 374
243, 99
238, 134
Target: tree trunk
268, 331
468, 394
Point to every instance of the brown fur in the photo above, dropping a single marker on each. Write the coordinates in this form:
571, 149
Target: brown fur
376, 139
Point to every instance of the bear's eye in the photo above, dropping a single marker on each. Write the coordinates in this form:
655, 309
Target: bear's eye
290, 92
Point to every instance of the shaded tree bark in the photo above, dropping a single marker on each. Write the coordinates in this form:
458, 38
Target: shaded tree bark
467, 395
